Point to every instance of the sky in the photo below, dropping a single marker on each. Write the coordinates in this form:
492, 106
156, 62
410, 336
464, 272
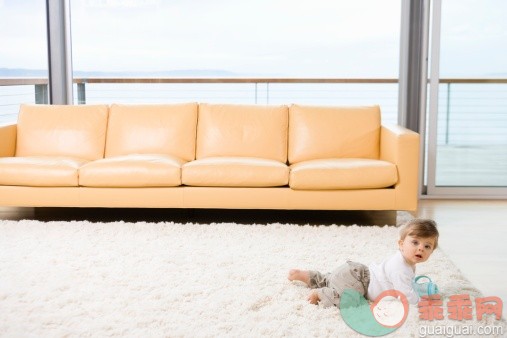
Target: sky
262, 37
298, 38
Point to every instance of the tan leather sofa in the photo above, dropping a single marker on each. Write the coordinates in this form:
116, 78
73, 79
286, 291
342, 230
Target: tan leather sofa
207, 156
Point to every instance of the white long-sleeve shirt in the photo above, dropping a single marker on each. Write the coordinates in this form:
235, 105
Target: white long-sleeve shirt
392, 273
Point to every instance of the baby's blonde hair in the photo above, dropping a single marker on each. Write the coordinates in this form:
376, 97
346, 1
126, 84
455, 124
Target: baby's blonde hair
420, 227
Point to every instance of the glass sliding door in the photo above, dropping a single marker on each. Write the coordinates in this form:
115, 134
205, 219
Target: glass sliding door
467, 154
23, 56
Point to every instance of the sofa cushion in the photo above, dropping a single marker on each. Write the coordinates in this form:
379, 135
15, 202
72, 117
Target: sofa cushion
152, 129
327, 174
333, 132
68, 131
141, 170
40, 171
242, 131
235, 172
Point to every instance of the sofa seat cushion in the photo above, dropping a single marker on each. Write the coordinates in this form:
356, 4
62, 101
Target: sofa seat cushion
40, 171
137, 170
235, 172
332, 174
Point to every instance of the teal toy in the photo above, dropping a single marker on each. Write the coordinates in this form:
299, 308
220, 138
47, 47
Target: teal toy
424, 286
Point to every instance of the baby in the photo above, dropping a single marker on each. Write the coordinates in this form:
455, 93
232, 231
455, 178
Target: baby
418, 239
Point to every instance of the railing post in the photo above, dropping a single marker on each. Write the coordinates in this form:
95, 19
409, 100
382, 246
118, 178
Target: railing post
81, 93
41, 94
448, 113
267, 93
255, 92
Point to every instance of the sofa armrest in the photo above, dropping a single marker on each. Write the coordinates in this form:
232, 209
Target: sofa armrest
8, 140
400, 146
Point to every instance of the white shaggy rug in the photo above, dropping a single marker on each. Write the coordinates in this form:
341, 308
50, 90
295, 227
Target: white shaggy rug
69, 279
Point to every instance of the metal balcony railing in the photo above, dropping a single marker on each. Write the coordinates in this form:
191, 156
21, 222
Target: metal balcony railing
383, 92
469, 108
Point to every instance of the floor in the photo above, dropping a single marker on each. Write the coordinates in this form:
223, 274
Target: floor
473, 232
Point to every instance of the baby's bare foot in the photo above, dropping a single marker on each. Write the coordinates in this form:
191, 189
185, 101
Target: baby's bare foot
299, 275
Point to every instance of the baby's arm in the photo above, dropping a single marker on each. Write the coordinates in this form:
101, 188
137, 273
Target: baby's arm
403, 282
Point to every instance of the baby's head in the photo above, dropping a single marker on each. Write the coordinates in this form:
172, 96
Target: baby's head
418, 239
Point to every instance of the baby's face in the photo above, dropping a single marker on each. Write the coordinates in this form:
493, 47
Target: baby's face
416, 249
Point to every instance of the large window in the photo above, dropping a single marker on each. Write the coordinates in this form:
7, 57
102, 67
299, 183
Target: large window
238, 39
274, 38
23, 56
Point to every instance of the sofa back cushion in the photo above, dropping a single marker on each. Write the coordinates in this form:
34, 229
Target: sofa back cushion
62, 130
167, 129
242, 131
333, 132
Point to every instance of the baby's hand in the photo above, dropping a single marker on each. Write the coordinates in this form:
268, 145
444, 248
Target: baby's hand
313, 298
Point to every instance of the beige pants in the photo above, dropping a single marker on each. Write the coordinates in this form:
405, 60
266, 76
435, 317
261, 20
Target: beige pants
330, 286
